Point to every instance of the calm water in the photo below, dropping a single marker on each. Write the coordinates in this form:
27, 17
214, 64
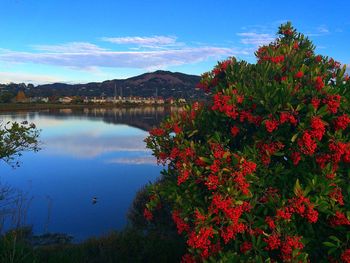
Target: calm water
86, 153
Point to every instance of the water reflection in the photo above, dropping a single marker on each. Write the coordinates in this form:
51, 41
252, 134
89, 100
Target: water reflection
86, 154
140, 117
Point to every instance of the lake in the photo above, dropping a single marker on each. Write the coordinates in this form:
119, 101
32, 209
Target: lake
85, 154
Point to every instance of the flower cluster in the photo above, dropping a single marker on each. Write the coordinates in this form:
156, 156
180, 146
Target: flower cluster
260, 171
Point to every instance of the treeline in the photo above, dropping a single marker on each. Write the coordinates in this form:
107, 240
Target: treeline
163, 84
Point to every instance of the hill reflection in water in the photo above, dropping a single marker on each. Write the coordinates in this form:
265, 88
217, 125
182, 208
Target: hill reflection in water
85, 153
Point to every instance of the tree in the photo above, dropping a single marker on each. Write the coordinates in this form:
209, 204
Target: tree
15, 138
6, 97
261, 172
21, 96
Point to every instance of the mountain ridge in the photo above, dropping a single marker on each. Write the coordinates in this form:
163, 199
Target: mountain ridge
159, 83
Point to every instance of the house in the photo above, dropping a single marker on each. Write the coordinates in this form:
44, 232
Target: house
65, 100
38, 99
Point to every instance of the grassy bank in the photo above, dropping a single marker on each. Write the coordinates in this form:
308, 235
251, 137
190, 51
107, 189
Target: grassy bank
129, 245
141, 241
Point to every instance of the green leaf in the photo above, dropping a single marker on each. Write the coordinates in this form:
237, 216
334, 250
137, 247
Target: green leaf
335, 239
329, 244
294, 137
297, 188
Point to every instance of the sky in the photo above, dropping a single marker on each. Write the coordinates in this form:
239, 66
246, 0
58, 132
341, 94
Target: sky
45, 41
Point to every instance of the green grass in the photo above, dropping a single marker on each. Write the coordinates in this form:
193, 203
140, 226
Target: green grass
129, 245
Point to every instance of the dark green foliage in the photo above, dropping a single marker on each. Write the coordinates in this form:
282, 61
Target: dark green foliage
16, 138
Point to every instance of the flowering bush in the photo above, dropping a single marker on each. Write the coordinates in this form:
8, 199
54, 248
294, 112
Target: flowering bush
261, 173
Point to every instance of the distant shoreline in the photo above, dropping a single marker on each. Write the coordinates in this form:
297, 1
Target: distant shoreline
5, 107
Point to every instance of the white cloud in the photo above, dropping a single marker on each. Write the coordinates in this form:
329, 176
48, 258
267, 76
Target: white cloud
256, 39
119, 59
134, 160
72, 47
319, 31
323, 29
155, 40
19, 77
84, 146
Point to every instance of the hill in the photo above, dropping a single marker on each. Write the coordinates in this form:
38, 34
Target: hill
159, 83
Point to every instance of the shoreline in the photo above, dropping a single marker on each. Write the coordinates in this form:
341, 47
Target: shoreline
5, 107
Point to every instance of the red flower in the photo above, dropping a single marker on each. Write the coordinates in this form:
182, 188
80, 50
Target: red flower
337, 195
277, 59
319, 84
271, 125
318, 128
177, 129
269, 221
201, 240
296, 45
157, 132
231, 231
315, 102
181, 225
215, 167
341, 122
318, 58
187, 258
234, 131
287, 32
288, 246
239, 99
346, 157
299, 75
273, 242
245, 247
345, 257
247, 167
333, 103
287, 117
295, 156
312, 215
339, 220
307, 144
212, 182
147, 214
183, 176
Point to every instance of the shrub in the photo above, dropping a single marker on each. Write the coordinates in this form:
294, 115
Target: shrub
261, 173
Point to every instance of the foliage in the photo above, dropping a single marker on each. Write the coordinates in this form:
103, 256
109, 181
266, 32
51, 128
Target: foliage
15, 249
6, 97
261, 174
15, 138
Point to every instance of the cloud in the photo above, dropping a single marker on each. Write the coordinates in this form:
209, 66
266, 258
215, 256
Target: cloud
323, 29
20, 77
151, 160
72, 47
85, 146
155, 40
94, 57
319, 31
256, 39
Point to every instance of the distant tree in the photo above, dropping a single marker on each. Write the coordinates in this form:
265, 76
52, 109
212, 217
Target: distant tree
20, 97
6, 97
15, 138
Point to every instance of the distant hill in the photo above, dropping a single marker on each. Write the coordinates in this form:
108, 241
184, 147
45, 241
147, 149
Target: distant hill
159, 83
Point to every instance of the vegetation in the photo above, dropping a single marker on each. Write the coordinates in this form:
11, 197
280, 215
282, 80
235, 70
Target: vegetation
261, 174
141, 241
15, 138
165, 84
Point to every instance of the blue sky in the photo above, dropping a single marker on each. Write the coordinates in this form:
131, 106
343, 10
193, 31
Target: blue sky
94, 40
